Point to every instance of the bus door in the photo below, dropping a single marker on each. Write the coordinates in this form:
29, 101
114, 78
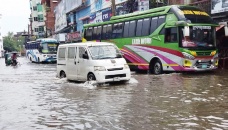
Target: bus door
171, 42
71, 63
82, 63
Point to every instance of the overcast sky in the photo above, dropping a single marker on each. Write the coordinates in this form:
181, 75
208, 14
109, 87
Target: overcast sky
15, 16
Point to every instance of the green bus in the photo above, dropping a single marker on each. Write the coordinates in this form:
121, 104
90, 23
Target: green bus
169, 38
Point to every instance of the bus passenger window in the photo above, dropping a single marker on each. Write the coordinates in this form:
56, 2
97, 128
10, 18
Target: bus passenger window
103, 35
94, 36
145, 27
89, 33
132, 27
139, 28
170, 35
109, 32
117, 30
126, 27
153, 24
99, 32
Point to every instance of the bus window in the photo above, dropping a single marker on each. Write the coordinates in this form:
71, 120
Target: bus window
139, 28
103, 35
126, 26
170, 35
109, 32
94, 36
132, 27
117, 30
153, 24
89, 33
161, 20
145, 27
99, 32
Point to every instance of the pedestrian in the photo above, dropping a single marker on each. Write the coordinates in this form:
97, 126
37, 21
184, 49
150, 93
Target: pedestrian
14, 59
6, 56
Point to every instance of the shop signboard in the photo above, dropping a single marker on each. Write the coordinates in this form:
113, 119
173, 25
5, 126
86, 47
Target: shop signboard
60, 16
101, 16
219, 6
74, 36
72, 4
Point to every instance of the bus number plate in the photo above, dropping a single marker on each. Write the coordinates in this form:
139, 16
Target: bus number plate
204, 66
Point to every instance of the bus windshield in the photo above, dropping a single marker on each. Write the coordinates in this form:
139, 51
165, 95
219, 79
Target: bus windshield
49, 48
200, 37
104, 52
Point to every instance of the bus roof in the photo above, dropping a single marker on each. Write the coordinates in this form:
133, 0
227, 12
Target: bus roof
47, 40
155, 12
31, 42
90, 43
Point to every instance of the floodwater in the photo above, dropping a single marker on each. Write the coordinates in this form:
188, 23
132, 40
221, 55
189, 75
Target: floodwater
32, 98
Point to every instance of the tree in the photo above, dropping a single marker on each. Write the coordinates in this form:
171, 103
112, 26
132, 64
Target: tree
11, 43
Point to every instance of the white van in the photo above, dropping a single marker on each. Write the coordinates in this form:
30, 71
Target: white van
98, 61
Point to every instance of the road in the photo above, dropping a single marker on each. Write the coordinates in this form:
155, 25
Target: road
32, 97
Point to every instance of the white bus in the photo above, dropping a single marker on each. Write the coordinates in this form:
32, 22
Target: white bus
98, 61
42, 50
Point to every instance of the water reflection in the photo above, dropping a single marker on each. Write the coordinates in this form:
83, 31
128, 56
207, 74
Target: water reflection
31, 97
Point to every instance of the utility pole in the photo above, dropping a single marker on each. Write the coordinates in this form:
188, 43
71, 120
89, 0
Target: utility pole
113, 7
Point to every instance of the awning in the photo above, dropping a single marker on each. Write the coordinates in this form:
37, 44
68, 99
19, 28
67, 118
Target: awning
218, 28
83, 18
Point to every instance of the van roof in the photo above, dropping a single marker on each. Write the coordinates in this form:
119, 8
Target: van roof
90, 43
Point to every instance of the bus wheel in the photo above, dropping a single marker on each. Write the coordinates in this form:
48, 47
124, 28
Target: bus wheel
157, 67
62, 74
91, 77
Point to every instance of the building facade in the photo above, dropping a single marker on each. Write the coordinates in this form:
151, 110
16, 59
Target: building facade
1, 40
37, 25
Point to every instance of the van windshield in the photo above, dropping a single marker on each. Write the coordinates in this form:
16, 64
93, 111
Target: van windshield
104, 52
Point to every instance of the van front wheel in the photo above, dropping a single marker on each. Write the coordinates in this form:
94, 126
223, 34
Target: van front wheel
91, 77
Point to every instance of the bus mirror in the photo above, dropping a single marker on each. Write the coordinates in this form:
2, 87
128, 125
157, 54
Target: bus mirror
186, 31
226, 30
181, 23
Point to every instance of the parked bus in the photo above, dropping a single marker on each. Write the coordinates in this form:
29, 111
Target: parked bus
42, 50
169, 38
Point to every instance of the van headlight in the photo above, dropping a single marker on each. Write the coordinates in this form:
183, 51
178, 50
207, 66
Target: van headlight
99, 68
188, 56
126, 66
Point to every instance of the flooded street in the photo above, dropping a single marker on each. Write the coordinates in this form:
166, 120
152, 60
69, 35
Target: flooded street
31, 97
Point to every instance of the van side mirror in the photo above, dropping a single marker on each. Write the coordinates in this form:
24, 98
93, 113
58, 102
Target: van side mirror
85, 56
186, 31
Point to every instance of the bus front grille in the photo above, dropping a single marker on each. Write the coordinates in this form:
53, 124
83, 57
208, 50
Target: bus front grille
203, 53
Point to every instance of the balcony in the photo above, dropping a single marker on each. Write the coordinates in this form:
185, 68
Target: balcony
205, 5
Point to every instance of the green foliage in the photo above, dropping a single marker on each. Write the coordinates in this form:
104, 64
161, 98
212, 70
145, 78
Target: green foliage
11, 43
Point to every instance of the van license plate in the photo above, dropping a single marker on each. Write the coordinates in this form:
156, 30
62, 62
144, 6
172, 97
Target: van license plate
116, 79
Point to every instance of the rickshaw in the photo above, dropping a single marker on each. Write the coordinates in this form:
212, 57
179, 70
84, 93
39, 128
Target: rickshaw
9, 60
